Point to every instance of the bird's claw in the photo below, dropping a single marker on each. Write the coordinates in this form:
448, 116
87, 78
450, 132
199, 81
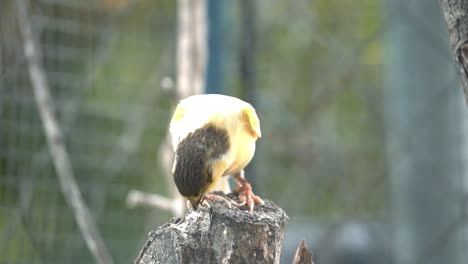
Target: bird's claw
246, 196
202, 203
211, 196
227, 200
205, 203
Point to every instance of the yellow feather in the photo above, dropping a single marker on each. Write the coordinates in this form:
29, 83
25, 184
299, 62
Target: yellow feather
178, 113
249, 116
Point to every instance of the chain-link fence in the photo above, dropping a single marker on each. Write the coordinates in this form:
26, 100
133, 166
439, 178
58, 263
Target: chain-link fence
320, 73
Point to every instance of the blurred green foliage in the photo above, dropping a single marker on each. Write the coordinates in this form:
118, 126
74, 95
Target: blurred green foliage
320, 70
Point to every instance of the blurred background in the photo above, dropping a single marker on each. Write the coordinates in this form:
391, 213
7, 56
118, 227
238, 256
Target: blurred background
362, 119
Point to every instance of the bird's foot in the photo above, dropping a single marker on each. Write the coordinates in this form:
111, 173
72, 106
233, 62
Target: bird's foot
246, 196
212, 197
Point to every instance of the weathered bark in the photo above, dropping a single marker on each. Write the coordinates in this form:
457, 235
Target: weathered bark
456, 16
303, 255
218, 235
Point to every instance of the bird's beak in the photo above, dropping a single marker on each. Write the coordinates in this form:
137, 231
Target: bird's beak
195, 202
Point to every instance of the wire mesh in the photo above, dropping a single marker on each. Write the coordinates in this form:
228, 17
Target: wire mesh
103, 65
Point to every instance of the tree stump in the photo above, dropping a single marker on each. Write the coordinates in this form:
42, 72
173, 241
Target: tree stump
218, 235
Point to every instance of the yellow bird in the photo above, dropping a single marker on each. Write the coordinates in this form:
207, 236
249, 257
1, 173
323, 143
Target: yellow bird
213, 136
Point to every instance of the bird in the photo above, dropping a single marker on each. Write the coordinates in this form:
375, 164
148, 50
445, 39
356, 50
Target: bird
213, 136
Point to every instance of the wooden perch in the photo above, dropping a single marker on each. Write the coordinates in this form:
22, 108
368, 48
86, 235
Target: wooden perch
218, 235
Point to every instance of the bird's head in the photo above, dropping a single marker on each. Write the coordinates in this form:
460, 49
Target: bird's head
195, 158
192, 177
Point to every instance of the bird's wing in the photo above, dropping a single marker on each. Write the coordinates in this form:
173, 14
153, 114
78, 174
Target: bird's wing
250, 118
